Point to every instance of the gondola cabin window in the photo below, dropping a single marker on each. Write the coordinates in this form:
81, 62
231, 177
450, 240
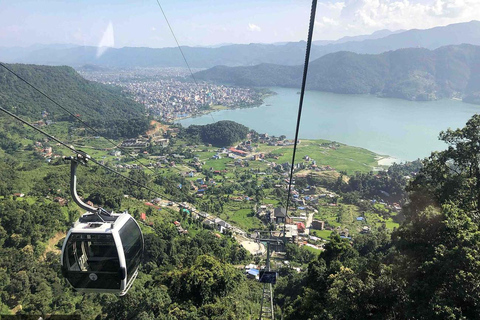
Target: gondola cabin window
132, 246
92, 255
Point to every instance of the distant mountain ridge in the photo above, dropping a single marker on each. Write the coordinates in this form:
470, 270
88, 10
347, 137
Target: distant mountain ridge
292, 53
413, 74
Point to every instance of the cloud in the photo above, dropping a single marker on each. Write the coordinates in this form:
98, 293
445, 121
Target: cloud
154, 29
366, 16
252, 27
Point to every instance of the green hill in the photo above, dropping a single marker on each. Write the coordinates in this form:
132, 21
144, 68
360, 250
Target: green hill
105, 107
413, 74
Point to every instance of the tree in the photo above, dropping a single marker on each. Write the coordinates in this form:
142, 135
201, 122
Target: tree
453, 174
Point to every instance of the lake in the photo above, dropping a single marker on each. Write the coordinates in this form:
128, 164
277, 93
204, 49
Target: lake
405, 130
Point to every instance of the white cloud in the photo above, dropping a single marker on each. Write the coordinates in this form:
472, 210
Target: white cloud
154, 29
253, 27
365, 16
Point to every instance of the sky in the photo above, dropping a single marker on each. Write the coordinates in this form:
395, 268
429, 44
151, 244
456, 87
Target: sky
140, 23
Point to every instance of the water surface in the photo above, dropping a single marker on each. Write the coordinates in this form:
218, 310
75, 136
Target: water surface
406, 130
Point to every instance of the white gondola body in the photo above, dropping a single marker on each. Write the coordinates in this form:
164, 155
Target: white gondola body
113, 266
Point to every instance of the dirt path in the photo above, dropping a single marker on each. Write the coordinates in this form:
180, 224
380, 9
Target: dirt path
157, 127
51, 244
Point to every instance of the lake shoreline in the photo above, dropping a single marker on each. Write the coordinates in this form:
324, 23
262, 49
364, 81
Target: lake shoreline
402, 129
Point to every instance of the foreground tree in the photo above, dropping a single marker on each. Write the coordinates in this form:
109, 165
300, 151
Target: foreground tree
453, 174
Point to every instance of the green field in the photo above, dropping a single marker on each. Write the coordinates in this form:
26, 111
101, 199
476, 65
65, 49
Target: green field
343, 158
312, 250
324, 234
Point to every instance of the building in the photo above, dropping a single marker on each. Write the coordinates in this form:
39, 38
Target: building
301, 227
238, 152
318, 225
217, 224
161, 142
280, 215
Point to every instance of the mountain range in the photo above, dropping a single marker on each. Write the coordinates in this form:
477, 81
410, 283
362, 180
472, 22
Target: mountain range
412, 73
289, 54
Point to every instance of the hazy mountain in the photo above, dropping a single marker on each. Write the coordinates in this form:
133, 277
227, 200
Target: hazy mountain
376, 35
454, 34
291, 53
414, 73
198, 57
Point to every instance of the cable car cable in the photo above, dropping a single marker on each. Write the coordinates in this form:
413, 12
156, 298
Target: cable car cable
138, 184
73, 115
300, 106
180, 48
178, 45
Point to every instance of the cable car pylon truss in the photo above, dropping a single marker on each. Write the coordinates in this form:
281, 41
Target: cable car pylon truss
268, 277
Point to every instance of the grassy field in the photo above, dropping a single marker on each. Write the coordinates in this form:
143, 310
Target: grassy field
240, 214
341, 157
219, 164
313, 250
324, 234
345, 216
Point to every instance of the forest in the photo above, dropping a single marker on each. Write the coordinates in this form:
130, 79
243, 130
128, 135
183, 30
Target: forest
425, 269
222, 133
106, 108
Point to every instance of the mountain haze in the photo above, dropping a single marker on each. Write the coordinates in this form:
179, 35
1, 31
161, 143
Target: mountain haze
413, 74
292, 53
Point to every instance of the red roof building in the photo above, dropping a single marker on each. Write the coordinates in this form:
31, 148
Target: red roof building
301, 227
143, 216
238, 152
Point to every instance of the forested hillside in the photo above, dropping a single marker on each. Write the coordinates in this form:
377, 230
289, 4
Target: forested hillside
426, 269
221, 133
182, 277
413, 74
102, 106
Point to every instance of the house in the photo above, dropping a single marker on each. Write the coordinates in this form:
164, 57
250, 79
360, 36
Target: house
280, 214
143, 216
301, 227
60, 201
291, 232
365, 229
203, 214
217, 224
238, 152
162, 142
318, 225
253, 273
222, 225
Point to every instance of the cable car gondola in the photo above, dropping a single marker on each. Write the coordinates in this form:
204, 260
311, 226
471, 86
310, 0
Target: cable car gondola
103, 251
267, 276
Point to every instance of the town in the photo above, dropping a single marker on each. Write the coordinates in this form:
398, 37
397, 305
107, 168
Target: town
169, 94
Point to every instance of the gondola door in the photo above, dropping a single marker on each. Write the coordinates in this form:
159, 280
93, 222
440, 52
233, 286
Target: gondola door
92, 263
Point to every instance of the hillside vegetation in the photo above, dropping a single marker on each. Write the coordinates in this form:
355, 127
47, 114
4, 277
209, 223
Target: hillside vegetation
413, 74
221, 133
105, 107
